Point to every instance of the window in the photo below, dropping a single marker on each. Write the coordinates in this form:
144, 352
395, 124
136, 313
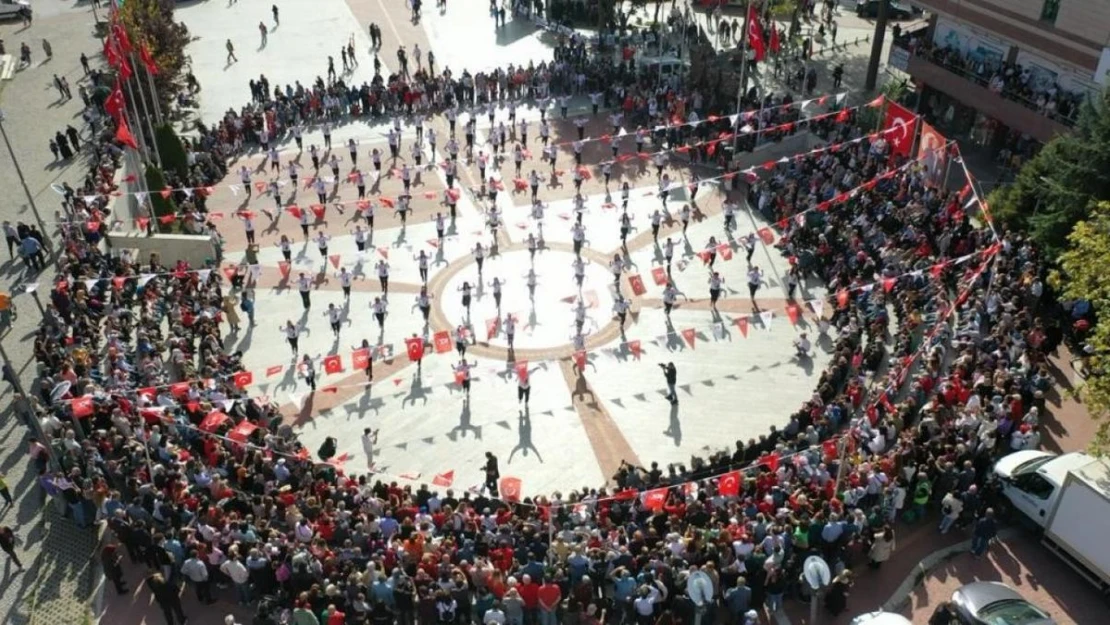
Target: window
1049, 11
1035, 485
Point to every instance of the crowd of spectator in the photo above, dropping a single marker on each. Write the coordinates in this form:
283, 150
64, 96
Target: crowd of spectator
934, 374
938, 367
1011, 80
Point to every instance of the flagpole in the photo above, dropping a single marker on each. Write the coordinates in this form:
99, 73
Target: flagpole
154, 98
146, 112
743, 79
133, 121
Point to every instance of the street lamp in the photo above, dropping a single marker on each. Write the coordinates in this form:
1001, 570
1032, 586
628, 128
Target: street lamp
23, 181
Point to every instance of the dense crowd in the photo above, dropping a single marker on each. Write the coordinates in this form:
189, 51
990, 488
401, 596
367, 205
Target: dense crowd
1011, 80
922, 402
938, 367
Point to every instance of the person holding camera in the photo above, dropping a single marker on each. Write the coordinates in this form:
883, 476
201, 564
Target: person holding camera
670, 373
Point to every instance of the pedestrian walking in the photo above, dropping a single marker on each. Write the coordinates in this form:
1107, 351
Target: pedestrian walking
492, 474
670, 374
165, 593
230, 53
8, 540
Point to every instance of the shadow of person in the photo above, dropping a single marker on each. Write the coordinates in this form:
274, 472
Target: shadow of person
464, 426
417, 390
674, 428
524, 438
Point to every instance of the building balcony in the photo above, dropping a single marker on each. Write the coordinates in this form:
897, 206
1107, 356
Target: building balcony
972, 90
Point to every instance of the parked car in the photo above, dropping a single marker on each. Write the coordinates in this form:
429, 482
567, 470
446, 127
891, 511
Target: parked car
994, 603
880, 618
894, 11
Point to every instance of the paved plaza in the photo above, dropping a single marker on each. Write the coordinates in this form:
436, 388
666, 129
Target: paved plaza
737, 372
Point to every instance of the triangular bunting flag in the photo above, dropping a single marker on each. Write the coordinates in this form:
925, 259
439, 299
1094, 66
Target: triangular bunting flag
690, 335
765, 318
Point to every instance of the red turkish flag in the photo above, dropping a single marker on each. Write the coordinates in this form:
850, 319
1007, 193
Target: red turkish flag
659, 275
771, 461
243, 379
888, 284
333, 364
635, 348
294, 210
121, 38
654, 499
522, 369
442, 341
230, 273
114, 104
318, 210
775, 44
729, 484
742, 325
510, 488
148, 59
767, 235
284, 267
334, 258
900, 124
123, 134
415, 348
444, 480
755, 34
793, 313
830, 449
82, 406
492, 325
637, 284
180, 389
725, 250
690, 335
580, 360
274, 370
360, 359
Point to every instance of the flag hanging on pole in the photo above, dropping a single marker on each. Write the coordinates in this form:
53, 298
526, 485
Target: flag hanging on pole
775, 44
114, 103
124, 136
148, 59
755, 34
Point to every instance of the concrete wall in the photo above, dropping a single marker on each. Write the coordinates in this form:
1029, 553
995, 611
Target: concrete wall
193, 249
795, 144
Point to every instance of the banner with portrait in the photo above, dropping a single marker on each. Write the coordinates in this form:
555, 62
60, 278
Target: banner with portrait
931, 153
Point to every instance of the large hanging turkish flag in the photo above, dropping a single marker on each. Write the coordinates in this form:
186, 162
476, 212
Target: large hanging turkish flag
899, 125
755, 34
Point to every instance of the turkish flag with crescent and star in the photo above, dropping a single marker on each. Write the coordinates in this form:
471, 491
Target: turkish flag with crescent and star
900, 123
728, 485
755, 35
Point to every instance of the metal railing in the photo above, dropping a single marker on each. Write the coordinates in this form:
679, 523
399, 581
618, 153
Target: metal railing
925, 53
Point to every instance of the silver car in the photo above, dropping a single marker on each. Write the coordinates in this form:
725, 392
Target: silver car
994, 603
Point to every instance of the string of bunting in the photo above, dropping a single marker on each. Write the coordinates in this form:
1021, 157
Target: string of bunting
841, 115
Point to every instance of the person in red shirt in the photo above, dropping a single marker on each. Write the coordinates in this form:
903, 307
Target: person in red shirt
549, 597
529, 594
334, 616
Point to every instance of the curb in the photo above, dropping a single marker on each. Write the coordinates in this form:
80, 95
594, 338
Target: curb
927, 564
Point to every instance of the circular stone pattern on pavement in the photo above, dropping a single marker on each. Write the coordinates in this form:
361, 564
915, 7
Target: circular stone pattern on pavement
546, 316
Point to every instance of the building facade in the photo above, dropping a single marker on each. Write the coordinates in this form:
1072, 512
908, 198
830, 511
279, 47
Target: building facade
1004, 68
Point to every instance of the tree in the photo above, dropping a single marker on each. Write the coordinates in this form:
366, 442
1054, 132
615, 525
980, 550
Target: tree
171, 150
150, 22
1082, 276
1058, 187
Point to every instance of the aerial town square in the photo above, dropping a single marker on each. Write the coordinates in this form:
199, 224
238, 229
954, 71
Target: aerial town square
554, 311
